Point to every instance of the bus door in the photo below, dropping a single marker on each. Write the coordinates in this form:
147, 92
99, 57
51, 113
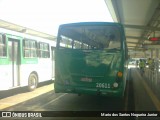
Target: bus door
14, 58
53, 62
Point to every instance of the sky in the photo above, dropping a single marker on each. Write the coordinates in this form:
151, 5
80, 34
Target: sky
46, 15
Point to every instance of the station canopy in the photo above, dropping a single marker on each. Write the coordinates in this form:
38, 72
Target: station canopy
141, 20
21, 29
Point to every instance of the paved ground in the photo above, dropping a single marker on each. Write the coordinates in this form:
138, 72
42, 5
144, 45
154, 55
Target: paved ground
139, 97
23, 96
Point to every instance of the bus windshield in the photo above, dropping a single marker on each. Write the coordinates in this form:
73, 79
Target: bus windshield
90, 37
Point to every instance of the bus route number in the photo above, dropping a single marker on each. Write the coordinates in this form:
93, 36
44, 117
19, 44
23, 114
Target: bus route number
102, 85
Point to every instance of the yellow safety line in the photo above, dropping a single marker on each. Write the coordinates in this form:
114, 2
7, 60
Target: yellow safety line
151, 94
126, 98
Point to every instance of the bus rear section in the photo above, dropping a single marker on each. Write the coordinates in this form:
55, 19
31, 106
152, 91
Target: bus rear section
85, 72
89, 59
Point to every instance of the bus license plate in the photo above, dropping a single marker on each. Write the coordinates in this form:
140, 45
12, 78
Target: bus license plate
85, 79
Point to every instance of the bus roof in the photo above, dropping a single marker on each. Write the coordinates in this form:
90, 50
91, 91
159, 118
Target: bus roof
90, 23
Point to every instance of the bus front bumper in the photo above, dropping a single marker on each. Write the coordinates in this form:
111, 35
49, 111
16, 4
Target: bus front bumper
91, 91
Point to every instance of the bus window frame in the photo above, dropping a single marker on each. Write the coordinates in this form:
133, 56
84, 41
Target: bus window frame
59, 39
29, 48
42, 50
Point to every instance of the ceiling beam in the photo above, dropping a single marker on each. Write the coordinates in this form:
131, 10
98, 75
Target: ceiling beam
130, 46
133, 37
151, 46
132, 42
142, 27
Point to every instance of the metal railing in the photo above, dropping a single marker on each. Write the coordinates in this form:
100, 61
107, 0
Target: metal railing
152, 77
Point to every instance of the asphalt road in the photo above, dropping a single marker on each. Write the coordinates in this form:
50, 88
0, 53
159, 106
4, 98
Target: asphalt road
69, 102
137, 98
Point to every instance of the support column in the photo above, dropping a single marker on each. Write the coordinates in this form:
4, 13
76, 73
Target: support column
157, 66
152, 71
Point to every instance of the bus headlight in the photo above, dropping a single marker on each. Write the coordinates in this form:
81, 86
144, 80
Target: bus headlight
115, 85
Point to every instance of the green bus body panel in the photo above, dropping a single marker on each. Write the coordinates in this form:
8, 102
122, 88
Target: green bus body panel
29, 61
77, 70
4, 61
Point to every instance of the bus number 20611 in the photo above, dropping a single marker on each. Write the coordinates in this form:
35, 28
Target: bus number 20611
103, 85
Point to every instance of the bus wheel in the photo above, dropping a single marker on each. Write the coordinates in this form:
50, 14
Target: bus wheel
32, 82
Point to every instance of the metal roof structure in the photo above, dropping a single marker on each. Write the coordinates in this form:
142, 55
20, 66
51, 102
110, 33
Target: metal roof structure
141, 20
21, 29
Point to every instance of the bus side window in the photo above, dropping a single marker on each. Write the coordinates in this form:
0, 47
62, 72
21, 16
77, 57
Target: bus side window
30, 48
44, 51
2, 46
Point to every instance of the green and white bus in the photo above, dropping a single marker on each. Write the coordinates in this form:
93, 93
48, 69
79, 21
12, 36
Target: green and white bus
25, 60
95, 61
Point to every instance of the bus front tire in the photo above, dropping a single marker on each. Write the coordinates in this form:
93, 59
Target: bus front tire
32, 82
